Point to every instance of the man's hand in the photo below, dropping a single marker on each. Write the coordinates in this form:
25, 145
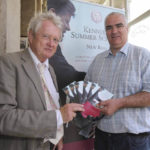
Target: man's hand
141, 99
68, 111
109, 107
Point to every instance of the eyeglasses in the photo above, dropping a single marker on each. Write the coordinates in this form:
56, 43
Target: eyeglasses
49, 38
118, 26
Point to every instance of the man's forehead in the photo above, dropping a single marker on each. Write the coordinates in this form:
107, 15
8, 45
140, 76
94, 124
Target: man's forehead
115, 20
115, 17
115, 24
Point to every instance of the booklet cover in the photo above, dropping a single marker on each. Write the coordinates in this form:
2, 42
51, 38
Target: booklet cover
89, 94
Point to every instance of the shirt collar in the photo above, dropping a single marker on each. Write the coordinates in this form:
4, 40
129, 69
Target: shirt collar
36, 60
123, 50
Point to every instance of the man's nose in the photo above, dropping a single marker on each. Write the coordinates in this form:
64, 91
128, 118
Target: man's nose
51, 42
114, 29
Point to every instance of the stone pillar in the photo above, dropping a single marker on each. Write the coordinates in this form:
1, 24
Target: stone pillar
9, 26
2, 26
39, 6
28, 10
118, 4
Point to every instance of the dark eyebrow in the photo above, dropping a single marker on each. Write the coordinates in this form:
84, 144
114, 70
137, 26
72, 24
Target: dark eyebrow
109, 27
119, 25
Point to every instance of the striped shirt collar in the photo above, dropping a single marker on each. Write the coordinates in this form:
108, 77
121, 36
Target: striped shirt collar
123, 50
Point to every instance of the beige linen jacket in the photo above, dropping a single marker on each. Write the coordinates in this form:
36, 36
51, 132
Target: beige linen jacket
24, 121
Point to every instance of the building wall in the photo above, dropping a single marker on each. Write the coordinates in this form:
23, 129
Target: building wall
9, 26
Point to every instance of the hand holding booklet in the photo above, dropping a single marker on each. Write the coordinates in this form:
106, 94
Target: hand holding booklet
89, 94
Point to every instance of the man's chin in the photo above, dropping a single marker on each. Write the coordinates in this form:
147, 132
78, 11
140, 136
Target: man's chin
117, 46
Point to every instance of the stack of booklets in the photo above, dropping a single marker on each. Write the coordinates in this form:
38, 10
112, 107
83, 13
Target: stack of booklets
89, 94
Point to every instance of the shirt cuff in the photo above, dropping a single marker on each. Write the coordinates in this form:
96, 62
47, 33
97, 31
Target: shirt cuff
59, 119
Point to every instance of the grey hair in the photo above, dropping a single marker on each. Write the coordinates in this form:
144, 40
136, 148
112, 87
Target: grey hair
116, 13
36, 21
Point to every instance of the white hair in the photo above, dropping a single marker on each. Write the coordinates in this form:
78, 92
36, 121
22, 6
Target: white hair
36, 21
116, 13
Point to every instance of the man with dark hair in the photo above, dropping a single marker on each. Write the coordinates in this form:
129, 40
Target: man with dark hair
65, 73
61, 7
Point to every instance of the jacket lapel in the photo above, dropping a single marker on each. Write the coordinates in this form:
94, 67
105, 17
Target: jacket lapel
53, 77
32, 73
55, 83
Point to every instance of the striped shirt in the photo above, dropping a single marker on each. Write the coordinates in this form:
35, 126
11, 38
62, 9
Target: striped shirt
124, 74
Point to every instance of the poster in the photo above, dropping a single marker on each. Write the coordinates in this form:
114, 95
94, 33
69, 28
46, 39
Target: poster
87, 36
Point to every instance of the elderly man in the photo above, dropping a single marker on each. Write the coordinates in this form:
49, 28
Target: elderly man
124, 70
30, 116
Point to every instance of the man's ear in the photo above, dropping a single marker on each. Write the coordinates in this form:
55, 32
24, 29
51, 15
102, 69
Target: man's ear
30, 36
52, 10
127, 28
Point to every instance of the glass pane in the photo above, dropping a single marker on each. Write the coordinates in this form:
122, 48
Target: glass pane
139, 33
138, 7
